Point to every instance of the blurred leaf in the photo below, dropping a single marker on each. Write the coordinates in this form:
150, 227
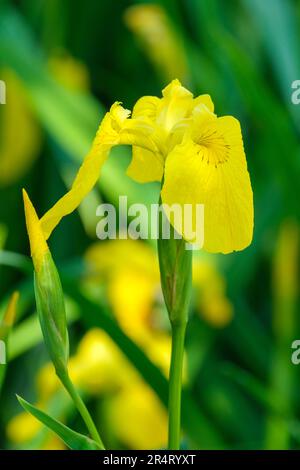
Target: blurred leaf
15, 260
279, 26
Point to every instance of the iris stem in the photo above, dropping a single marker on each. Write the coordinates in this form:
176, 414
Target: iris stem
82, 409
175, 383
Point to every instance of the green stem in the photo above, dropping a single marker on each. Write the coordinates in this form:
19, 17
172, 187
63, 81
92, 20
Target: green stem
175, 380
82, 409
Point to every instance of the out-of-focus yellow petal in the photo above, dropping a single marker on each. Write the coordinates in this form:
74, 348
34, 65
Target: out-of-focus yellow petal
216, 310
22, 428
99, 366
53, 443
47, 382
213, 171
210, 293
69, 72
38, 244
131, 270
137, 418
20, 134
9, 315
158, 349
155, 31
105, 259
131, 295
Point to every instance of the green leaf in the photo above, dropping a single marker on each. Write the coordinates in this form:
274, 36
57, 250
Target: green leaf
15, 260
72, 439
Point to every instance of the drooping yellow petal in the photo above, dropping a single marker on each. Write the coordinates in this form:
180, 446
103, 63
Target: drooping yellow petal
213, 172
145, 167
116, 128
38, 244
108, 135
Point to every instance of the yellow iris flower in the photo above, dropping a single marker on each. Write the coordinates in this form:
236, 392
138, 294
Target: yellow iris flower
199, 157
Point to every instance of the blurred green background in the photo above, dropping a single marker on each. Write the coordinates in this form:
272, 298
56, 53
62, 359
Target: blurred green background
64, 63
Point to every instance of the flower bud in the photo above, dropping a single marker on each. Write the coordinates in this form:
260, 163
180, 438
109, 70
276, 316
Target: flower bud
175, 263
48, 292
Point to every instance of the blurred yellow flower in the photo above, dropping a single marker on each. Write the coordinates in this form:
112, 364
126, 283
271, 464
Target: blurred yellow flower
53, 443
162, 43
200, 156
99, 366
22, 428
20, 133
211, 301
131, 269
137, 418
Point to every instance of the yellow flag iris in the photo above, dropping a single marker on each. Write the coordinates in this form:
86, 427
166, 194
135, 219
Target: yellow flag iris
200, 158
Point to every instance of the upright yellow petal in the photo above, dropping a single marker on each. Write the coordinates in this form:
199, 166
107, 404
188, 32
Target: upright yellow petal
213, 172
38, 244
204, 99
175, 105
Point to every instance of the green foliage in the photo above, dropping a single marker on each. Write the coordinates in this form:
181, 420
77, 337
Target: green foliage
242, 391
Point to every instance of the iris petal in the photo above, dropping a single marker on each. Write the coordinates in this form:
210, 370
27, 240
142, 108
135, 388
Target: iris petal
224, 189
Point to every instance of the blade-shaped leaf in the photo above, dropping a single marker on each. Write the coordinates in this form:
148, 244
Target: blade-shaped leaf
72, 439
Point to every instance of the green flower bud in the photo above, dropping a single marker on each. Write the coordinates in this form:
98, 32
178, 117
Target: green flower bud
175, 263
48, 293
51, 310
